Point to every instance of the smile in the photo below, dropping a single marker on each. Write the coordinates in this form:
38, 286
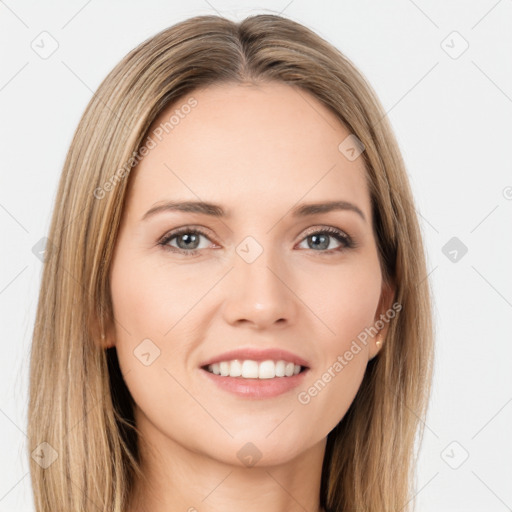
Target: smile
250, 369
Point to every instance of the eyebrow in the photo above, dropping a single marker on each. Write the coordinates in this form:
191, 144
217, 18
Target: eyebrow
216, 210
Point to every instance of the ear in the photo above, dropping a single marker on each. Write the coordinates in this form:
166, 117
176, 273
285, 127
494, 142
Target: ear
382, 317
104, 334
108, 338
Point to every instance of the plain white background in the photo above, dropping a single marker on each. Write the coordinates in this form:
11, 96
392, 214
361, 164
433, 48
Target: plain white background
443, 72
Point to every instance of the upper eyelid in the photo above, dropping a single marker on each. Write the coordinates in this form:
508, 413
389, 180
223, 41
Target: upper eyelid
316, 229
169, 235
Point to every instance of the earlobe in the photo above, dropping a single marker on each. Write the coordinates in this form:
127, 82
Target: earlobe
378, 345
107, 340
381, 318
385, 303
103, 336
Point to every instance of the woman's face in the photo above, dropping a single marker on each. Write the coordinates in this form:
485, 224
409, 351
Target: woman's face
251, 274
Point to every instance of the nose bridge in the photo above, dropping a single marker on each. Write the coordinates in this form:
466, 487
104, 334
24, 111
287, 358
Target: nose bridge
260, 293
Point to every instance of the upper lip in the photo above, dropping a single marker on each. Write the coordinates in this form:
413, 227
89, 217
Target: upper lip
258, 354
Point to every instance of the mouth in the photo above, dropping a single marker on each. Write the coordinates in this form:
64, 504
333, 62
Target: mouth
256, 380
251, 369
255, 373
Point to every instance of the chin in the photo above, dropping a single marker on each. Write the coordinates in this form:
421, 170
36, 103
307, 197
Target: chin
259, 450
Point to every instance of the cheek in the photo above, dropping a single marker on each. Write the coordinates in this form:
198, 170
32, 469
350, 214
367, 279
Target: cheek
149, 303
344, 299
156, 307
149, 299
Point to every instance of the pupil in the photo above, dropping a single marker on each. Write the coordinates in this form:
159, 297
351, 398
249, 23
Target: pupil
188, 239
323, 245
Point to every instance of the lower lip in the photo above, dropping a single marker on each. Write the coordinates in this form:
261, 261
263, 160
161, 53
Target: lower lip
256, 388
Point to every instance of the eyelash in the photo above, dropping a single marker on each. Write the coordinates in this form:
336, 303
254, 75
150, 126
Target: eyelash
346, 241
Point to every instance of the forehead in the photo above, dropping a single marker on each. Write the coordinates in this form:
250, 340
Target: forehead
248, 146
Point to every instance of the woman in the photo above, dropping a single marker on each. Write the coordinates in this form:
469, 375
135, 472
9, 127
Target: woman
235, 310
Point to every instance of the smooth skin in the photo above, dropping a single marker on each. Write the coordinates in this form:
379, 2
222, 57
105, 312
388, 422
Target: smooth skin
258, 151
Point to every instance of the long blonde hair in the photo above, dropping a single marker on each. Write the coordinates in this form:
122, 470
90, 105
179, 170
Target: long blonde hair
82, 435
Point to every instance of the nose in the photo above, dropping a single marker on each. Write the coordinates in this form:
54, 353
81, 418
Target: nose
260, 294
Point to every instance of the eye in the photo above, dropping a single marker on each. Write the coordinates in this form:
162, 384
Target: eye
321, 239
187, 240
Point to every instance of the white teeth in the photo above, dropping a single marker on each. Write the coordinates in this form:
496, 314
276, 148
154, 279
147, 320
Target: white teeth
280, 365
235, 369
267, 370
249, 369
224, 368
